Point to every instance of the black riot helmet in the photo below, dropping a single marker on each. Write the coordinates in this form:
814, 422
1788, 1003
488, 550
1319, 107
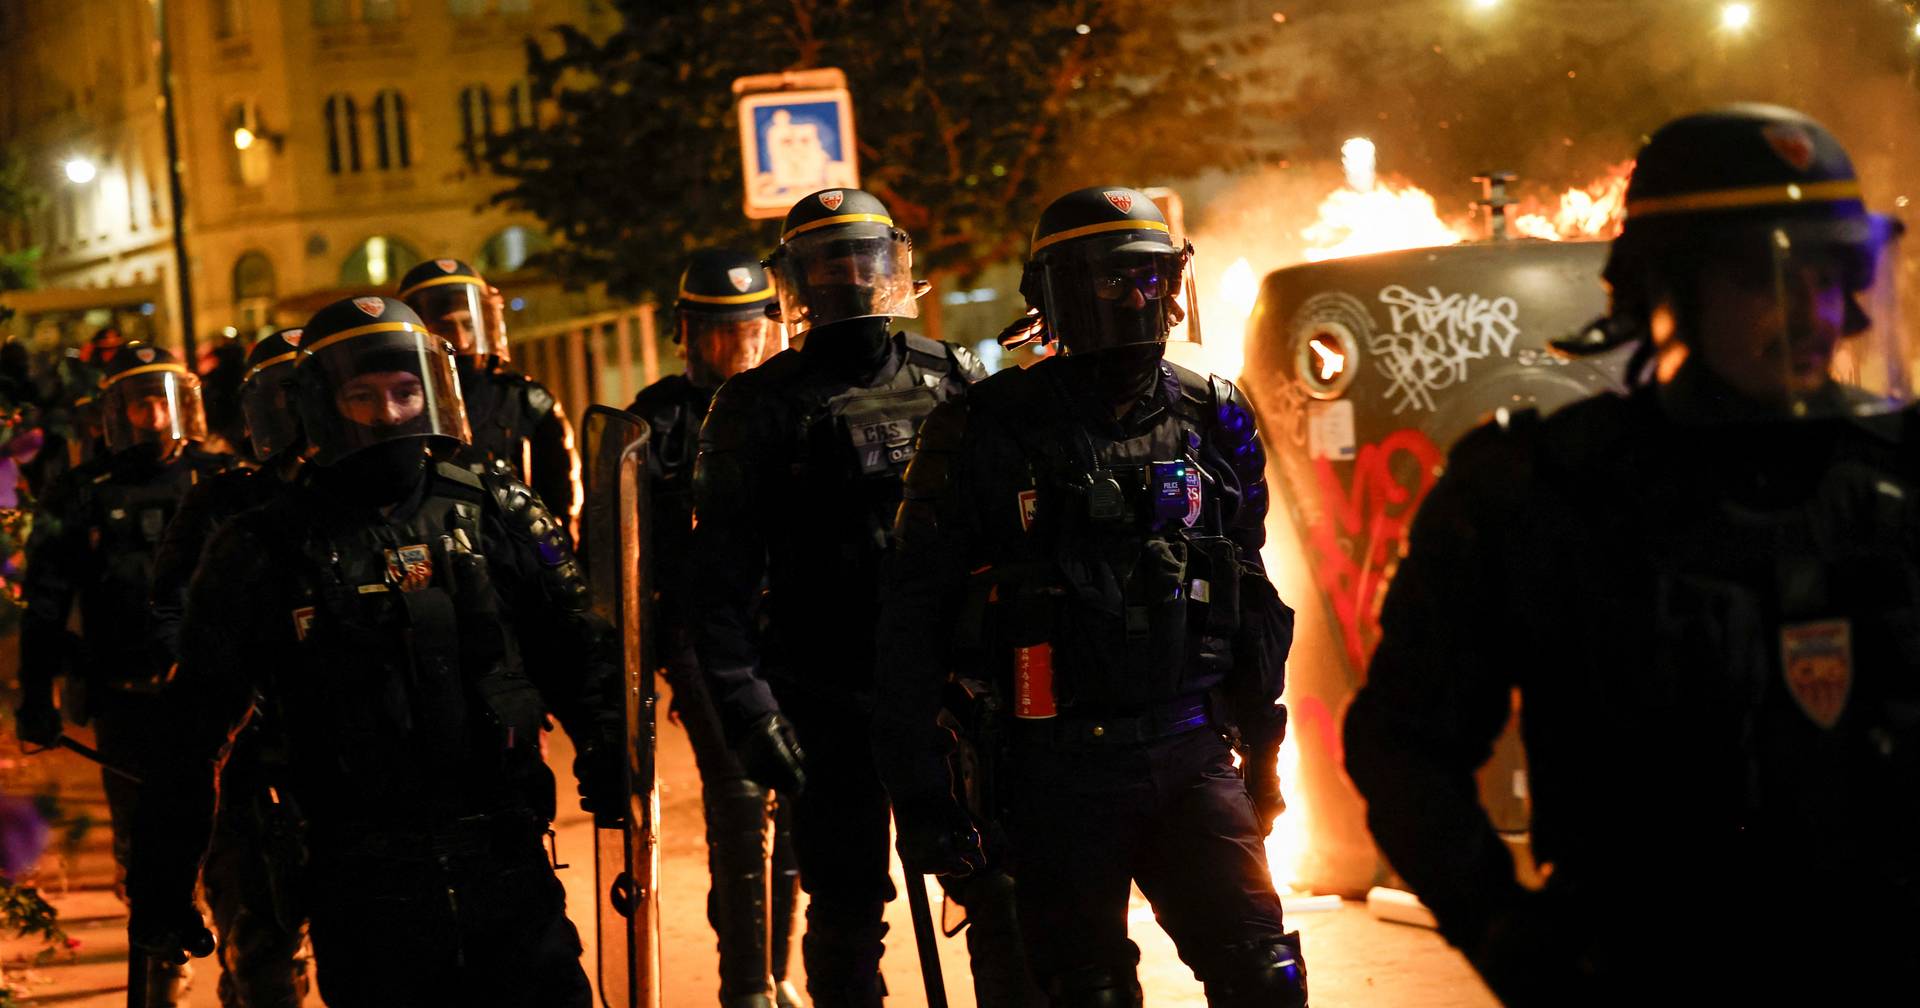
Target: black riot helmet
369, 373
150, 401
273, 425
451, 298
1103, 273
1753, 274
720, 315
840, 257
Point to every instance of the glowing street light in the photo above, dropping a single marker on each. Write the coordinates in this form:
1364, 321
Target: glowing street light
1485, 4
1736, 16
80, 171
242, 138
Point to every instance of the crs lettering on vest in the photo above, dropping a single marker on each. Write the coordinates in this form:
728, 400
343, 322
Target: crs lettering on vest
882, 445
410, 567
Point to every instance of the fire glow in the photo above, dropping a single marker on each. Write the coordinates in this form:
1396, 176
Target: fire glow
1368, 214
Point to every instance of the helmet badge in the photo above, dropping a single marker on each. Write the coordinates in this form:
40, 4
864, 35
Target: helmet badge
1791, 143
740, 277
832, 200
292, 336
1122, 201
144, 354
373, 306
447, 265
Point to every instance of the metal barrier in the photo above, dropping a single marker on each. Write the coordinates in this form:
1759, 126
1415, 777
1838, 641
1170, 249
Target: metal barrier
600, 358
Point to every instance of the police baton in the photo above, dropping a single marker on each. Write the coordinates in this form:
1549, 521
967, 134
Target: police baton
927, 939
91, 754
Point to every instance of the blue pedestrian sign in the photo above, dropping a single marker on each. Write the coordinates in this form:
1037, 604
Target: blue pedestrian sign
793, 143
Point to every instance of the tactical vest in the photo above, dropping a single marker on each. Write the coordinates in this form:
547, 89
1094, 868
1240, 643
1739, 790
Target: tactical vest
502, 411
862, 438
406, 700
124, 523
1111, 565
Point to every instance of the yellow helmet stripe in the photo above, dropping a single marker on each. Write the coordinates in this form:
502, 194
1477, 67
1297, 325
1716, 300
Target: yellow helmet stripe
1100, 228
748, 298
851, 218
1750, 196
269, 362
173, 366
451, 278
365, 330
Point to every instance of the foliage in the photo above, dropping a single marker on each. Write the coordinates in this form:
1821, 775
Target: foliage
971, 116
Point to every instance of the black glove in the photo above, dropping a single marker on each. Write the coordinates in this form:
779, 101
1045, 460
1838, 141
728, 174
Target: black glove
600, 769
170, 936
770, 754
937, 838
38, 722
1262, 773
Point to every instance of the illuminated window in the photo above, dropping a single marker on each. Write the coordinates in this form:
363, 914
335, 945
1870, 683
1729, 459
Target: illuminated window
393, 149
249, 163
476, 122
253, 291
378, 262
229, 18
343, 134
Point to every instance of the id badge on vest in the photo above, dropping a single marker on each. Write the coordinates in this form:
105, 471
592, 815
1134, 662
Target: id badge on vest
882, 445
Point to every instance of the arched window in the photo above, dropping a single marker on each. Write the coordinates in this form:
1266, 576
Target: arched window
343, 134
508, 250
476, 122
229, 18
253, 291
393, 149
249, 162
377, 262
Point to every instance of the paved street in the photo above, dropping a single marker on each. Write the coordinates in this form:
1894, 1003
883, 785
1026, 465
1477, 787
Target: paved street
1355, 960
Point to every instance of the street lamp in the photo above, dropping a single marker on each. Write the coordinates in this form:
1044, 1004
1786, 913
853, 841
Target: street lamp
1736, 16
242, 138
80, 171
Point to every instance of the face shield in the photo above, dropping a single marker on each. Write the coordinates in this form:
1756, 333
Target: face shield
492, 337
1099, 298
457, 313
378, 383
719, 346
840, 273
1797, 320
267, 406
158, 404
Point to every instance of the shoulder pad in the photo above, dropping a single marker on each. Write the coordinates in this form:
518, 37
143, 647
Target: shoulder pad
927, 353
528, 520
540, 402
205, 461
781, 367
1196, 388
945, 428
966, 363
666, 392
457, 475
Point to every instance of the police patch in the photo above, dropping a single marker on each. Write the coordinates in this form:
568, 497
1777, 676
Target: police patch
292, 336
1193, 496
1029, 508
832, 200
144, 355
1122, 201
1791, 143
410, 567
373, 306
302, 622
1817, 659
740, 277
447, 265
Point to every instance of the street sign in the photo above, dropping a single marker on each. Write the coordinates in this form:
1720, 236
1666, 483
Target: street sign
796, 137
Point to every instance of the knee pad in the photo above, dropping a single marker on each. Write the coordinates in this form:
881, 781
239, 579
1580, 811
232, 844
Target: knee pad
1095, 987
1262, 974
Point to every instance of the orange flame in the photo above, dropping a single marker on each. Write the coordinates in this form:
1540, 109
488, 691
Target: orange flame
1593, 211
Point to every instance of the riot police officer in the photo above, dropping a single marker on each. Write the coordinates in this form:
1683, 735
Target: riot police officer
1083, 536
1702, 592
797, 479
721, 323
93, 542
406, 626
514, 419
252, 866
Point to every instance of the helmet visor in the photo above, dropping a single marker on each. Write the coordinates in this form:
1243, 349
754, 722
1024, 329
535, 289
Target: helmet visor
1797, 320
267, 406
720, 347
491, 340
388, 381
457, 313
830, 276
158, 404
1100, 298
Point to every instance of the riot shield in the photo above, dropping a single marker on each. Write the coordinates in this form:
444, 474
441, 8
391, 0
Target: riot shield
626, 863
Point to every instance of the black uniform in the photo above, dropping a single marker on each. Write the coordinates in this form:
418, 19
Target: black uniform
518, 423
251, 869
797, 480
1158, 623
387, 652
736, 808
1705, 596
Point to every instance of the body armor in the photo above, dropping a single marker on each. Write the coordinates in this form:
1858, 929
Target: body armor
512, 418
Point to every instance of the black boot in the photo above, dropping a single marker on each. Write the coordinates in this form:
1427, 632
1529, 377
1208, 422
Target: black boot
842, 949
737, 902
786, 897
995, 953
